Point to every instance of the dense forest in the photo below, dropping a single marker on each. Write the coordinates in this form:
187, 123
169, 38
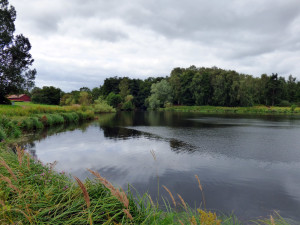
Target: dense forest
184, 86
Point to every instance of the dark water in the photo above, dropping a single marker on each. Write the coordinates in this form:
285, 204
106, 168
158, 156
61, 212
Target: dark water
248, 165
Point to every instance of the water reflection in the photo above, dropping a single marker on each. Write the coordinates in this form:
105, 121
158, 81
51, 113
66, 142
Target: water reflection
249, 165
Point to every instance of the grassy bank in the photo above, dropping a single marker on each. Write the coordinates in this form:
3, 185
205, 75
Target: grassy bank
33, 193
26, 117
237, 110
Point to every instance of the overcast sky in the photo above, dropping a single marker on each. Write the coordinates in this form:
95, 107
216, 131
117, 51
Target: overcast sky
78, 43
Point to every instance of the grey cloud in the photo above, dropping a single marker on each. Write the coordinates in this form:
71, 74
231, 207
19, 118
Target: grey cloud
141, 38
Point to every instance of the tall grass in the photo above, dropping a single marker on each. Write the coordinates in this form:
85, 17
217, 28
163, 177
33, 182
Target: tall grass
237, 110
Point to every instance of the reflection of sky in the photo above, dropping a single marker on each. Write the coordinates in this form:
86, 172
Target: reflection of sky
254, 180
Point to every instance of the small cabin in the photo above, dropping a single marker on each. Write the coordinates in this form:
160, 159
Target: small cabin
19, 98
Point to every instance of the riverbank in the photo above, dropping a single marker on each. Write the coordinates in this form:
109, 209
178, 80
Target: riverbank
263, 110
33, 193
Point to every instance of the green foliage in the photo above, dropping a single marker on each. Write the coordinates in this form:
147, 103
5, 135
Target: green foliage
101, 106
46, 95
15, 58
161, 93
114, 99
85, 98
284, 103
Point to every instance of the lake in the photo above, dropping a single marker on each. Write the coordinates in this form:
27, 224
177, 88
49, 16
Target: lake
248, 165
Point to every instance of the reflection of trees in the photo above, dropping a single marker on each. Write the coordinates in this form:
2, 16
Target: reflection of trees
120, 133
180, 146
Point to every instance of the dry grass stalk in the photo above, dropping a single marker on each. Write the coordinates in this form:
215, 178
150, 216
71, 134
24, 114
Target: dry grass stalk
200, 186
20, 153
153, 154
201, 189
27, 217
272, 220
180, 222
8, 181
84, 191
3, 163
120, 195
183, 202
170, 194
126, 211
152, 203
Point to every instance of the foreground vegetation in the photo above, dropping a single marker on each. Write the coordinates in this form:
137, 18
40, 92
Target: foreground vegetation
236, 110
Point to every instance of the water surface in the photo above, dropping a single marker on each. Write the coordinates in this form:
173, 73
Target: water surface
249, 165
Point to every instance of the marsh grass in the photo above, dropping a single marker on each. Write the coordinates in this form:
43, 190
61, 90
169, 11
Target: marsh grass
235, 110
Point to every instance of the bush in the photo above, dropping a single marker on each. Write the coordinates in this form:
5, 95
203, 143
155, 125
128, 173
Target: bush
101, 106
128, 106
284, 103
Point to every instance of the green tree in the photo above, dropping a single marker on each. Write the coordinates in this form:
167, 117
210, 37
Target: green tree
15, 58
175, 82
161, 93
124, 87
114, 99
46, 95
201, 88
85, 98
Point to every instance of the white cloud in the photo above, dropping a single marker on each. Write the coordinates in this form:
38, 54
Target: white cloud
76, 44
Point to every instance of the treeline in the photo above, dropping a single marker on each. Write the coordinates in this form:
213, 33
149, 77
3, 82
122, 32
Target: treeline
184, 86
219, 87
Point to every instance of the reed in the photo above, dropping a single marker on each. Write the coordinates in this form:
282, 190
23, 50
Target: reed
201, 189
170, 193
84, 191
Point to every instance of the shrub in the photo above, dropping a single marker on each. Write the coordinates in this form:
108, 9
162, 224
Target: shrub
293, 107
284, 103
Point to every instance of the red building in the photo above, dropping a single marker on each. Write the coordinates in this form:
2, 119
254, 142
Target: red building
19, 98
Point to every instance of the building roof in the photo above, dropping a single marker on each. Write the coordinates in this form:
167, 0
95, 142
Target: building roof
16, 96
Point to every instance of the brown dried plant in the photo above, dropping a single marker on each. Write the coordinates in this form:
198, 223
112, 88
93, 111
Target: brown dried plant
272, 220
126, 211
182, 201
10, 184
3, 163
120, 195
20, 153
84, 191
153, 154
180, 222
201, 189
173, 200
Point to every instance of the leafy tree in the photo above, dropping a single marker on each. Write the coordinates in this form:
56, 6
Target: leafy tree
46, 95
114, 99
161, 93
124, 87
175, 82
85, 98
85, 89
15, 58
201, 88
110, 85
96, 93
